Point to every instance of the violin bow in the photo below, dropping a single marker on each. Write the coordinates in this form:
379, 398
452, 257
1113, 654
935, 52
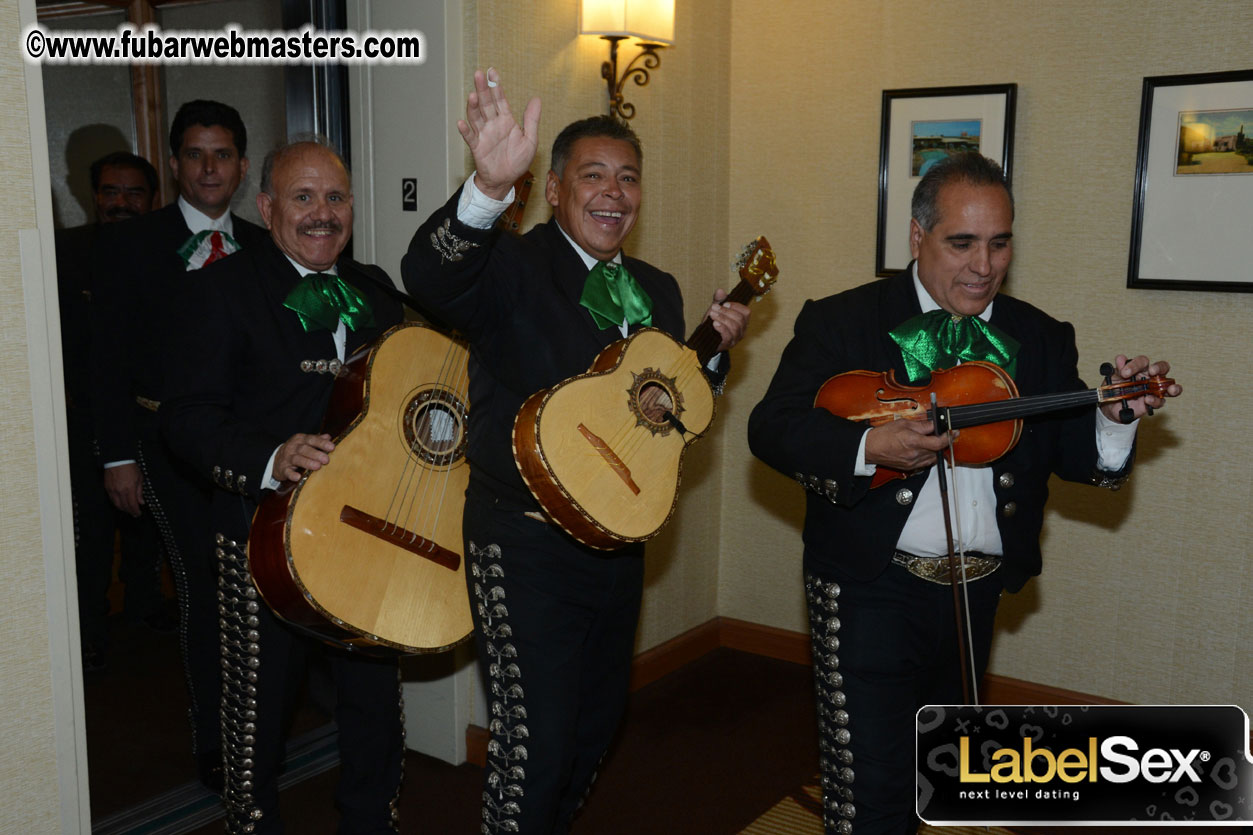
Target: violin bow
970, 688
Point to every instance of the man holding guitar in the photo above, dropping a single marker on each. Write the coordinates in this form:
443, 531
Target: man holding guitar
876, 560
555, 620
263, 336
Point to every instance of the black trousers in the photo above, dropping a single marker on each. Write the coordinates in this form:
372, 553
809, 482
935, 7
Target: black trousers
95, 523
883, 649
555, 631
264, 665
179, 502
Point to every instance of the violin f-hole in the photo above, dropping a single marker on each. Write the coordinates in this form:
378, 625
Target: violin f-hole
878, 396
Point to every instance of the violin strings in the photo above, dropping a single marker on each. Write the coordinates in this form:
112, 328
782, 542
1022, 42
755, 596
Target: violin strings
977, 413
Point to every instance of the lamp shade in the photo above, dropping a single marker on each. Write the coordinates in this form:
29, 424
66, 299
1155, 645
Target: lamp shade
649, 20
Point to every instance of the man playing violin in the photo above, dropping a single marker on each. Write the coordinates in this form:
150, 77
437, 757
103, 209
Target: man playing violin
879, 557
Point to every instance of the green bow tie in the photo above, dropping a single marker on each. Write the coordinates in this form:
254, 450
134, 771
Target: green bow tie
321, 300
611, 294
939, 339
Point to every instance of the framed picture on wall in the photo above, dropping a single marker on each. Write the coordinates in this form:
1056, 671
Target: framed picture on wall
921, 126
1190, 218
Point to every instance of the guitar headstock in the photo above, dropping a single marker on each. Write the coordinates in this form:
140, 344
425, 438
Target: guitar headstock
511, 219
757, 267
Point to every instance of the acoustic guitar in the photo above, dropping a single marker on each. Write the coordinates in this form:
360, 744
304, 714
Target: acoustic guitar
602, 452
368, 552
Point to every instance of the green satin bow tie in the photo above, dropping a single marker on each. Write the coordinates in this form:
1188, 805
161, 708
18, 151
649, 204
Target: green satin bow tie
939, 339
321, 300
612, 294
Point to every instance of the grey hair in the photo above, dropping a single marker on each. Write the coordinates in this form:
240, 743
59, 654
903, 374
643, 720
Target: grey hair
293, 144
970, 168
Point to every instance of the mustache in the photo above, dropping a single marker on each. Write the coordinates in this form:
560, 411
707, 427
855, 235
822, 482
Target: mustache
120, 213
330, 223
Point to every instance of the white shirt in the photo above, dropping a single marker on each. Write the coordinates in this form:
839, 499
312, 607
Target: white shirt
972, 495
197, 221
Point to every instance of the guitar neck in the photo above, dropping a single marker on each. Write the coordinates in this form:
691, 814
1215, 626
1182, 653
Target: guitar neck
706, 339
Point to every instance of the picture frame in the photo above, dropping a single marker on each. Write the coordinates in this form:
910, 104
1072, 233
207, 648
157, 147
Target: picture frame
918, 126
1194, 184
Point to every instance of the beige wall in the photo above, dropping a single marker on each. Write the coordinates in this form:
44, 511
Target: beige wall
1144, 596
28, 739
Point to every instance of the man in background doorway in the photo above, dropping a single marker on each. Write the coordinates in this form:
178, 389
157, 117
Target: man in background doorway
123, 186
141, 267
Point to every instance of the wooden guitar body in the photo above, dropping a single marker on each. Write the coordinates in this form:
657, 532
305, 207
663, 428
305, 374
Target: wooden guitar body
598, 452
367, 551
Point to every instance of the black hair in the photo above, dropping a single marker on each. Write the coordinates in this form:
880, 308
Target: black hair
209, 114
123, 159
591, 127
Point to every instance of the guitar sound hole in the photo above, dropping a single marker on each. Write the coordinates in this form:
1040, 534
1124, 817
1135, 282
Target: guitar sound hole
435, 427
655, 401
650, 396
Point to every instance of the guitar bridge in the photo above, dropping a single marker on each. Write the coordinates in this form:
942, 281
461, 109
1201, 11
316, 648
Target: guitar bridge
400, 537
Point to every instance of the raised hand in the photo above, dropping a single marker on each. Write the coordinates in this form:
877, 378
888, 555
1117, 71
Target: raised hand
502, 149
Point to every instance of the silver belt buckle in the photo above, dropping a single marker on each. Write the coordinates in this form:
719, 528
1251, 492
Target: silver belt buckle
935, 569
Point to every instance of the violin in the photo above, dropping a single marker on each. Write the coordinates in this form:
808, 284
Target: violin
976, 396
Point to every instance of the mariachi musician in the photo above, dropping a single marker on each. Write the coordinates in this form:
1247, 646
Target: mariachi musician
875, 560
554, 620
262, 337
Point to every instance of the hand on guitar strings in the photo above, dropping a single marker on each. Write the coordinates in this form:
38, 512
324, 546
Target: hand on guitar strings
300, 454
1139, 368
730, 319
501, 149
905, 445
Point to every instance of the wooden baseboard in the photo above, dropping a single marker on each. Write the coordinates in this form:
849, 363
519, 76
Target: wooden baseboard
784, 645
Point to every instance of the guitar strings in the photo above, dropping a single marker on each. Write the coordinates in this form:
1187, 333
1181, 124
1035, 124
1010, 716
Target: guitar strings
427, 478
412, 483
440, 479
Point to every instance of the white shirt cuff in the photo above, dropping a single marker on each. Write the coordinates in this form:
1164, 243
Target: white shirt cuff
862, 467
267, 478
476, 210
113, 464
1113, 441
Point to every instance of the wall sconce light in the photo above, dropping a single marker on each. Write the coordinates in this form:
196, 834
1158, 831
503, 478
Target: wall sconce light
652, 21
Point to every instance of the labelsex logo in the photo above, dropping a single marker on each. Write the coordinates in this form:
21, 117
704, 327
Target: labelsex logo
1039, 765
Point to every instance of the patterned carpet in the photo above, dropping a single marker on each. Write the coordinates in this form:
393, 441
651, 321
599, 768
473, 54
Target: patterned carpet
801, 814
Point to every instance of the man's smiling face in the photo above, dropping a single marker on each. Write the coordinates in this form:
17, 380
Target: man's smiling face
597, 196
963, 259
208, 168
310, 212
